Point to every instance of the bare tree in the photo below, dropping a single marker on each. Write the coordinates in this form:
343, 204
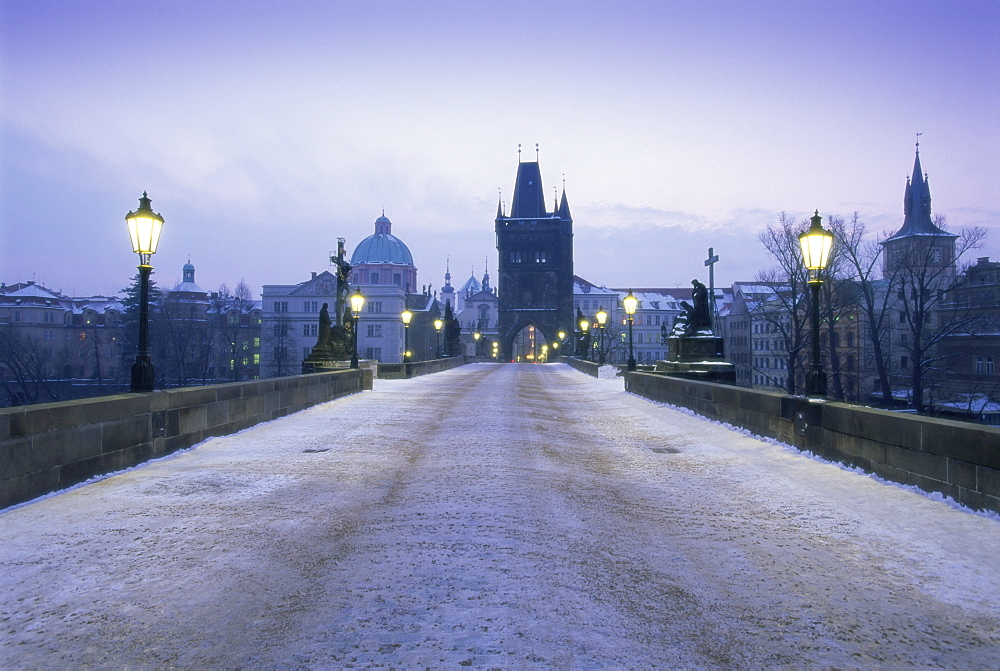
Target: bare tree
784, 311
861, 260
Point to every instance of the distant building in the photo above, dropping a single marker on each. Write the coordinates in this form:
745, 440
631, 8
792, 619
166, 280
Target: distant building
535, 269
57, 347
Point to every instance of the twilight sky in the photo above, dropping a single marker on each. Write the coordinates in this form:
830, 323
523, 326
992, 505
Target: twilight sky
264, 130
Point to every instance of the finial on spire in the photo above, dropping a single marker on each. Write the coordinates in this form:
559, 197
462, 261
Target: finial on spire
918, 142
518, 152
536, 152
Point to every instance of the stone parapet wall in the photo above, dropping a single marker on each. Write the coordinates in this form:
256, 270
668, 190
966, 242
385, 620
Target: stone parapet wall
582, 365
397, 371
50, 446
956, 459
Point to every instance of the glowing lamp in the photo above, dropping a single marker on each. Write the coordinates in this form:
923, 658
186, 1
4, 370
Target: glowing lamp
144, 227
816, 244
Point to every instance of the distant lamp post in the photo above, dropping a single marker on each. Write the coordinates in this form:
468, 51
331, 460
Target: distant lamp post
816, 244
144, 228
357, 302
631, 303
584, 326
406, 316
438, 323
476, 336
602, 317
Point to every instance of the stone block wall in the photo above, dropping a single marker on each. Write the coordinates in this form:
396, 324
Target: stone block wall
50, 446
396, 371
957, 459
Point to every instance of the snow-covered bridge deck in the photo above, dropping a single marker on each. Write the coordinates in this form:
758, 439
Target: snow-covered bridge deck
496, 516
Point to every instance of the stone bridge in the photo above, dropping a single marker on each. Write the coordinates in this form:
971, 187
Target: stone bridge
498, 516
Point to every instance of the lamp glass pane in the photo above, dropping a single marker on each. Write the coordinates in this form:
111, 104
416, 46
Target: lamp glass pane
144, 232
631, 303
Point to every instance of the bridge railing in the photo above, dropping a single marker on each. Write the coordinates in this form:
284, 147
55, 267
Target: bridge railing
396, 371
50, 446
956, 459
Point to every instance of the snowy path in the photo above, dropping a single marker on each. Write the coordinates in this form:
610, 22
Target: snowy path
496, 516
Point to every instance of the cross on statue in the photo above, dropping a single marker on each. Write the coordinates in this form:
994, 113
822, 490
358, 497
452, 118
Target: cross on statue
712, 259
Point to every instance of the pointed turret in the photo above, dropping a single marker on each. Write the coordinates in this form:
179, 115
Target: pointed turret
564, 208
529, 201
917, 206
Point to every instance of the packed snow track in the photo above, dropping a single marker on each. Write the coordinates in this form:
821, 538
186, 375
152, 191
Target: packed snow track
497, 516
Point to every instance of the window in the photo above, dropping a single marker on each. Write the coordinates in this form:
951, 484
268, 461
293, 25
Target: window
850, 339
256, 343
374, 330
984, 365
540, 257
50, 318
515, 257
281, 306
904, 363
233, 318
375, 307
49, 334
280, 330
310, 306
256, 359
397, 279
850, 363
373, 278
310, 329
373, 353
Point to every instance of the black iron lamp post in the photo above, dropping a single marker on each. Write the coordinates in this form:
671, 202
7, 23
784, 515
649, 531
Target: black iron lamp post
816, 244
144, 227
631, 303
476, 336
406, 316
602, 317
438, 323
357, 302
584, 325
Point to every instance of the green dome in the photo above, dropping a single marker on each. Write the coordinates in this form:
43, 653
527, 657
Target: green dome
382, 247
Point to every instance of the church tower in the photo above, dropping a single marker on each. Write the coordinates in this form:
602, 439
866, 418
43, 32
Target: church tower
535, 270
918, 243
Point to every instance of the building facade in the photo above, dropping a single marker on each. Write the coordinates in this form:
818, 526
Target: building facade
535, 269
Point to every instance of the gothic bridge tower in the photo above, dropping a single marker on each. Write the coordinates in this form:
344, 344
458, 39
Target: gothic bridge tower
535, 269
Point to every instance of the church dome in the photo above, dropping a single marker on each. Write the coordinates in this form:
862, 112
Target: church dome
382, 247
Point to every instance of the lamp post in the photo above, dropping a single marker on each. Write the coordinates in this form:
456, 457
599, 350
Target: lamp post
357, 302
438, 323
584, 325
407, 316
476, 336
545, 353
631, 303
144, 227
602, 317
816, 244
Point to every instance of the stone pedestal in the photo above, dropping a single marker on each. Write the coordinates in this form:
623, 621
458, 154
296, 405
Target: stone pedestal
699, 357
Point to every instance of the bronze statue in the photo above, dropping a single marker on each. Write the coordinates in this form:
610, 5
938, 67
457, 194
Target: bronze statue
323, 339
699, 316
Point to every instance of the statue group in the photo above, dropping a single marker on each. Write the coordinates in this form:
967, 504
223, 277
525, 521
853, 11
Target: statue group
334, 342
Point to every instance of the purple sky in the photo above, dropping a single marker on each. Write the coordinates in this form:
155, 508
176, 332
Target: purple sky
263, 130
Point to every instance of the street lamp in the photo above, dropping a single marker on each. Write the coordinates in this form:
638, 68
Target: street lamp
476, 336
584, 325
816, 244
631, 303
407, 316
438, 323
602, 317
357, 302
144, 227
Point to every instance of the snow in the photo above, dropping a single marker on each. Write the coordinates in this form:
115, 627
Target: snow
496, 515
